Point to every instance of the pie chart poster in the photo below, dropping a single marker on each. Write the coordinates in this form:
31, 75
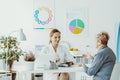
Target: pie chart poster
77, 23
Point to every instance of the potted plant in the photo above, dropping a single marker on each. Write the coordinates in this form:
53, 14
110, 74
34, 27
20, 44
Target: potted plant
10, 50
29, 58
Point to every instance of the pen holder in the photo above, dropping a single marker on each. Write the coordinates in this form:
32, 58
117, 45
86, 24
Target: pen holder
53, 65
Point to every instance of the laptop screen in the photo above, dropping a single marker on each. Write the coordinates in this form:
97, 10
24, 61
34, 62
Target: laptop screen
42, 60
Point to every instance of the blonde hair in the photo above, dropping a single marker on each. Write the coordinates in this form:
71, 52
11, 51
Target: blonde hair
52, 32
103, 37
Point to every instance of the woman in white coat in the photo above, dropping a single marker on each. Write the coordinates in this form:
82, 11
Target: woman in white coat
60, 54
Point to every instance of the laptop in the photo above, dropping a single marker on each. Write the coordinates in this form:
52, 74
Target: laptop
42, 60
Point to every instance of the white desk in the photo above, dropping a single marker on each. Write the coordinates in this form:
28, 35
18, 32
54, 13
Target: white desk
27, 74
60, 69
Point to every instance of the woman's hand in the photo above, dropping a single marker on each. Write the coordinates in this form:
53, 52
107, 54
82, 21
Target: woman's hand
57, 59
88, 56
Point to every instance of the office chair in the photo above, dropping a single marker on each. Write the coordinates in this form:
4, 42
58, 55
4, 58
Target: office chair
116, 72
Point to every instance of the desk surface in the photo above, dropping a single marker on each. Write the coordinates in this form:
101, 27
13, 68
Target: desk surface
60, 69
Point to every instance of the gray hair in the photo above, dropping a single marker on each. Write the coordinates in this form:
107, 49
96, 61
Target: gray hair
103, 37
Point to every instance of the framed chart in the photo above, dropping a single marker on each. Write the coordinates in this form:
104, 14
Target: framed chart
76, 26
77, 22
43, 14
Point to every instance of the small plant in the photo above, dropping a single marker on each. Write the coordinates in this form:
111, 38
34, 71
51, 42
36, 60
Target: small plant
29, 56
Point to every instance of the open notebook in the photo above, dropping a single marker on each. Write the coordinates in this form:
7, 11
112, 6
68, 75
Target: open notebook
42, 60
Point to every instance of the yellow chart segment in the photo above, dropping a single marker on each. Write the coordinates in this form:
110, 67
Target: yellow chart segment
77, 30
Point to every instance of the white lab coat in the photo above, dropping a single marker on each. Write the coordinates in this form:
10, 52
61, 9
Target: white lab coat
62, 53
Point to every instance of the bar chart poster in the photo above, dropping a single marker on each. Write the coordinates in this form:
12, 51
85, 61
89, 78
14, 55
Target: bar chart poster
77, 22
43, 13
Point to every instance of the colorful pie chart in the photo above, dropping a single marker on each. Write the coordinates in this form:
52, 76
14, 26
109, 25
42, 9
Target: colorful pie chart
76, 26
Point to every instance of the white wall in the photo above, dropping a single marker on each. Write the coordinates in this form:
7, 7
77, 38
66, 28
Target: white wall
103, 15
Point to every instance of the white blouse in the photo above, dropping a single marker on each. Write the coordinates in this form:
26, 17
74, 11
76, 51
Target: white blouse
61, 52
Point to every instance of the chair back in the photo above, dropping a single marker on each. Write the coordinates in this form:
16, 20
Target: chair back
116, 72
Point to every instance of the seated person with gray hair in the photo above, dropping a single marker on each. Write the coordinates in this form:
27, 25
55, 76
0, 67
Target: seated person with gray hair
103, 62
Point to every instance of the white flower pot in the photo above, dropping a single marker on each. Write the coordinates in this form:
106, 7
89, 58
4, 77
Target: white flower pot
23, 66
28, 65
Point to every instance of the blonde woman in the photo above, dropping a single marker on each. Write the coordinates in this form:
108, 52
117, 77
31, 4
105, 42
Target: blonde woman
60, 54
103, 62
